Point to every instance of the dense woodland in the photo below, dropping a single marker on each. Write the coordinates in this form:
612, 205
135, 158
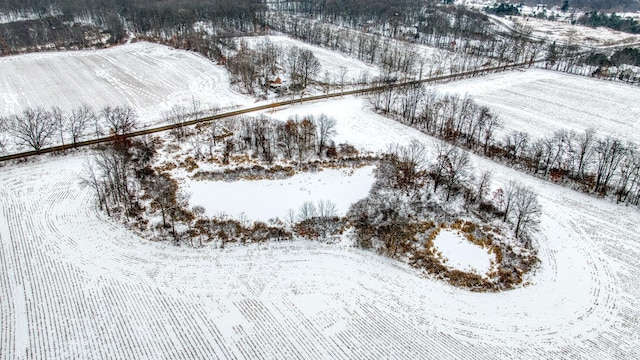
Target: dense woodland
613, 21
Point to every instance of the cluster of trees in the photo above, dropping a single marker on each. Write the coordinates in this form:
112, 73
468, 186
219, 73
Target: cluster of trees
626, 56
613, 21
255, 67
318, 220
111, 174
48, 33
126, 186
38, 127
602, 166
410, 190
303, 66
296, 139
459, 120
252, 68
502, 9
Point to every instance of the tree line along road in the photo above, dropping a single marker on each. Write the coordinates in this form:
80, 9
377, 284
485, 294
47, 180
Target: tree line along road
158, 129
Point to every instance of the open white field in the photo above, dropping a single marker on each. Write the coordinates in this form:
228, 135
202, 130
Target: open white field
149, 77
76, 284
540, 102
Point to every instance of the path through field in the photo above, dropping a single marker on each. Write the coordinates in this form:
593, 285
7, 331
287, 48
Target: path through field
75, 284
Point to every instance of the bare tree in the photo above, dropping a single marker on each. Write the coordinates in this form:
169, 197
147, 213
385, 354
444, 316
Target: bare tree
120, 120
507, 198
33, 128
269, 56
161, 188
526, 212
342, 76
325, 130
78, 122
113, 166
243, 67
584, 151
516, 143
409, 100
609, 152
438, 169
307, 211
491, 124
177, 116
92, 179
456, 170
482, 187
629, 174
303, 65
60, 120
407, 168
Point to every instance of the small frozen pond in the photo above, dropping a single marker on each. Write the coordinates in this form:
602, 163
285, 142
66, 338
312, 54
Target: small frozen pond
267, 199
461, 254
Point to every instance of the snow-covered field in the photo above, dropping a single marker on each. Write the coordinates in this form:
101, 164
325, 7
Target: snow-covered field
268, 199
76, 284
149, 77
540, 102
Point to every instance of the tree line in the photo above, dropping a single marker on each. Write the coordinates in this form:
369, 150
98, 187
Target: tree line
257, 68
603, 166
38, 127
613, 21
298, 139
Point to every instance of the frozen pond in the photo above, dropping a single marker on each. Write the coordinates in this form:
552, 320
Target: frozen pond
267, 199
461, 254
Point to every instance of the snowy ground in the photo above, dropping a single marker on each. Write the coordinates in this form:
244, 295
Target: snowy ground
77, 284
540, 102
268, 199
149, 77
